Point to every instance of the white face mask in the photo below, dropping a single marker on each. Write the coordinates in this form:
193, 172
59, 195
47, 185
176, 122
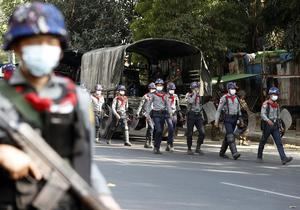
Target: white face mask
274, 97
159, 88
232, 91
171, 92
122, 92
98, 92
40, 60
152, 90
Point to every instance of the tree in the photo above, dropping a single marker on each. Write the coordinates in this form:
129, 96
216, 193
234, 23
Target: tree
211, 25
91, 24
95, 24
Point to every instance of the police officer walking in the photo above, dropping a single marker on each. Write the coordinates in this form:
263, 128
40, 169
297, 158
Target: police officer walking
58, 109
194, 118
149, 122
271, 125
119, 109
98, 101
230, 103
172, 121
160, 109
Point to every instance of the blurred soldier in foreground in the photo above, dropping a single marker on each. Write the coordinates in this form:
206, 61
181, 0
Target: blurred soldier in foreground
194, 118
271, 125
149, 122
98, 101
232, 108
160, 109
37, 34
119, 109
8, 70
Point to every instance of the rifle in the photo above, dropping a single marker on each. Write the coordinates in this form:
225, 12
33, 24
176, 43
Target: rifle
58, 174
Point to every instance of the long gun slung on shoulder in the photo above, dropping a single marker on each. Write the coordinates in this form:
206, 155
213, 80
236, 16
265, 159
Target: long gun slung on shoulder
59, 176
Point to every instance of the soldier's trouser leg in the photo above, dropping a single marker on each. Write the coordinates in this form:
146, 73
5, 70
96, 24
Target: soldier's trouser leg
112, 129
190, 128
230, 124
201, 133
170, 130
159, 127
149, 133
277, 139
223, 147
126, 132
231, 142
97, 127
265, 135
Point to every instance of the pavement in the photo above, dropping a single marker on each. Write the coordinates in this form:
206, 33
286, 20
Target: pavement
141, 180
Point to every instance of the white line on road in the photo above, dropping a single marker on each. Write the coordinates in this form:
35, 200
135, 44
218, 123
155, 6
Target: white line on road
261, 190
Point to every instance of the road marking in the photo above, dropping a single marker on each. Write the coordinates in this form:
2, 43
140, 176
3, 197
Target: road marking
261, 190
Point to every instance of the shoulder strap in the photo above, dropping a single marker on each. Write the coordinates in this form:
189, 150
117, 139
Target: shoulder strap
22, 106
227, 104
268, 109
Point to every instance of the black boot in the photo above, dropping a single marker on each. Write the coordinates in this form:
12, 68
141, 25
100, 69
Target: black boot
156, 151
234, 151
223, 149
126, 138
286, 160
198, 148
260, 151
231, 141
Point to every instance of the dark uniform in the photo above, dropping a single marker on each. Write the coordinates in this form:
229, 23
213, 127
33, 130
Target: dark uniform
160, 109
271, 125
67, 126
194, 118
231, 106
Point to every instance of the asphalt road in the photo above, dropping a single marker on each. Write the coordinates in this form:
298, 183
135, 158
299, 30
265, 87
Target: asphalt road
141, 180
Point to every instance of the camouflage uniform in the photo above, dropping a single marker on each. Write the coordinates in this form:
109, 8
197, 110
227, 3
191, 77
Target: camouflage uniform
59, 107
67, 125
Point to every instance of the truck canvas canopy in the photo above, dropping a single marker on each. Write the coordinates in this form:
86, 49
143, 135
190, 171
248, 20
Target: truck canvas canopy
106, 65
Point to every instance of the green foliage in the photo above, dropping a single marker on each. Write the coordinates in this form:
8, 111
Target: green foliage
91, 24
211, 25
280, 15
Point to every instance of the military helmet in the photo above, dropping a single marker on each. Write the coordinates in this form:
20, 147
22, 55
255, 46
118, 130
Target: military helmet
98, 87
194, 85
171, 86
159, 81
151, 85
121, 87
231, 85
35, 18
8, 67
274, 90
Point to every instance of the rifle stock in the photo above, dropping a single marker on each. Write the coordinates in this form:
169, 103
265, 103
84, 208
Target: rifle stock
50, 162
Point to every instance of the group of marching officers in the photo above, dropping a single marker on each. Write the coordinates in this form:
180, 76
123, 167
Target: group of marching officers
161, 107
